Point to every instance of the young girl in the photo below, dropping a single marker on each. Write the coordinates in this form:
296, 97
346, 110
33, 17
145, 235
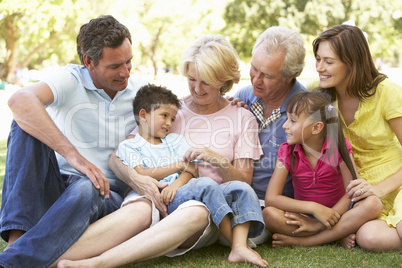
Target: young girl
320, 161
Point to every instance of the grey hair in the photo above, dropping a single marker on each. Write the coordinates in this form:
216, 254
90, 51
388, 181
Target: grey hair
290, 41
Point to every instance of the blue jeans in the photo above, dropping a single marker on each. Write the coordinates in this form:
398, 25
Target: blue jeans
53, 209
235, 198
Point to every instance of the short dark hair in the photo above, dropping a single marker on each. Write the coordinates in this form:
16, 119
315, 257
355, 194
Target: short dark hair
104, 31
150, 97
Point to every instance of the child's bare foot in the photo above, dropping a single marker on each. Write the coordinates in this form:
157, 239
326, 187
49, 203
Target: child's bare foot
281, 240
245, 254
348, 242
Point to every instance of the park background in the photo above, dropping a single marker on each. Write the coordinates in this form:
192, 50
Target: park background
37, 36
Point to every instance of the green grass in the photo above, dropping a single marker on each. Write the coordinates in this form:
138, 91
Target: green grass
216, 256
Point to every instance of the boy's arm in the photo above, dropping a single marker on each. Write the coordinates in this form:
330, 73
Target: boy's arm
170, 191
161, 172
144, 185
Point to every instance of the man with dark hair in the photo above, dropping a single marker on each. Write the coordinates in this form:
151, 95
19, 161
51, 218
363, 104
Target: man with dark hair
57, 180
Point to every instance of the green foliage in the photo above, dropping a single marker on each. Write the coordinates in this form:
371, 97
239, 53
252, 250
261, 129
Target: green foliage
41, 33
380, 19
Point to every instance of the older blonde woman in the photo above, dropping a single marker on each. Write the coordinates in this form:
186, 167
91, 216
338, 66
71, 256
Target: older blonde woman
225, 138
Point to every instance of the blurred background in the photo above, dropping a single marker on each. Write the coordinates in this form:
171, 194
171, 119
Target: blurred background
39, 35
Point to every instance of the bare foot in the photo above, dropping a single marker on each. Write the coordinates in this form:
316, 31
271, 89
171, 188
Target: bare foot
245, 254
348, 242
281, 240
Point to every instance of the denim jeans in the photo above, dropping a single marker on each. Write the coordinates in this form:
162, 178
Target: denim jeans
235, 198
53, 209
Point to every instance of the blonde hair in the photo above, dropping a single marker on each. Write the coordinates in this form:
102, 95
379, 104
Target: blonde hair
215, 60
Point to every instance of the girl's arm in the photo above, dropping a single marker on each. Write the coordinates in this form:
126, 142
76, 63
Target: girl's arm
170, 191
161, 172
343, 204
385, 187
274, 198
241, 169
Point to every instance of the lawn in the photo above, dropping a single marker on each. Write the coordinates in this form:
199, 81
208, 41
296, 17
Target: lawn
216, 255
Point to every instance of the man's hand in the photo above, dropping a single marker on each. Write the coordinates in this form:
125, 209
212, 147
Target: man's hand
148, 186
82, 165
237, 102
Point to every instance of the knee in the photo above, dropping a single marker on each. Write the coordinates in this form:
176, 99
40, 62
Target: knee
373, 206
205, 182
84, 187
139, 212
271, 216
239, 187
84, 192
198, 217
367, 238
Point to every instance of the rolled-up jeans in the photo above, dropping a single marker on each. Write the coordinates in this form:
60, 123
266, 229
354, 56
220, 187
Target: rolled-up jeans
53, 209
235, 198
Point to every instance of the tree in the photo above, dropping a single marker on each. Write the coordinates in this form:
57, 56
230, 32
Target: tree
162, 29
36, 33
380, 19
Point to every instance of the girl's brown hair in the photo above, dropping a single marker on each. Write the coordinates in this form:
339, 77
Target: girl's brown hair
317, 107
351, 46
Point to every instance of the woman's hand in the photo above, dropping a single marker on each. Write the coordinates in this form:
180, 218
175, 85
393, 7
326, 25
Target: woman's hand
360, 189
205, 154
304, 223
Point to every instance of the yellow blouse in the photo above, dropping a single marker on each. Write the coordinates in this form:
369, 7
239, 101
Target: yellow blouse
377, 151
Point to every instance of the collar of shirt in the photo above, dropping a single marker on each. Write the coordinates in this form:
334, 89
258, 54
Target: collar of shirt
258, 111
298, 151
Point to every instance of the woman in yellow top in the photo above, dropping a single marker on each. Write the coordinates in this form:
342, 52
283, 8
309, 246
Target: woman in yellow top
371, 109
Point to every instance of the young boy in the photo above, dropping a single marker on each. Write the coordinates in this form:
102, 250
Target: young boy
157, 153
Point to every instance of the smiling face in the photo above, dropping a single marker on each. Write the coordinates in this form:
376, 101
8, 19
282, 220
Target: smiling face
203, 94
331, 70
298, 128
158, 123
113, 70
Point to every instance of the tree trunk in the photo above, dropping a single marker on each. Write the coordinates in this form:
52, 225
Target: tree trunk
12, 36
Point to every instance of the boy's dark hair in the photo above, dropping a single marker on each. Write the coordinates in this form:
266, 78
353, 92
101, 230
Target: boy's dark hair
150, 97
104, 31
317, 106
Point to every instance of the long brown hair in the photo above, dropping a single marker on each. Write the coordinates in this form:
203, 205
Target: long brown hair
317, 106
352, 48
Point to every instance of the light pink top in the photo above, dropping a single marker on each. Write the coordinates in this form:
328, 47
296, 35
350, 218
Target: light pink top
231, 132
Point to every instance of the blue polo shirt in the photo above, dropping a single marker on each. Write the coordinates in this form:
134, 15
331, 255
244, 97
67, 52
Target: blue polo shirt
94, 123
271, 138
